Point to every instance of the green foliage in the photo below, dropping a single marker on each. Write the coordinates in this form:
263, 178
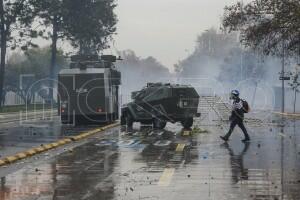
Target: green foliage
35, 63
49, 13
295, 82
16, 15
89, 24
220, 56
210, 51
266, 24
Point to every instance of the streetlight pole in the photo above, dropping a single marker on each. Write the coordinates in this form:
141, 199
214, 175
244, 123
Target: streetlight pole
282, 83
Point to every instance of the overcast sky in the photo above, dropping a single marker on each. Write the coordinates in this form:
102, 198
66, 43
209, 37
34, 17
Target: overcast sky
165, 29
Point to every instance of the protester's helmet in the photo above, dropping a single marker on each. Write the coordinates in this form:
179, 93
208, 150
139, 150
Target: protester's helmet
234, 94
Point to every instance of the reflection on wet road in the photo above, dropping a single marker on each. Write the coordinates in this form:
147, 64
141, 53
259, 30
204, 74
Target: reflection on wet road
18, 137
149, 164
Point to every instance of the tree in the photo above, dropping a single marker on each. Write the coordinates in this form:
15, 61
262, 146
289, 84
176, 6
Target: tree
294, 84
14, 15
70, 19
25, 69
268, 25
50, 14
90, 24
209, 54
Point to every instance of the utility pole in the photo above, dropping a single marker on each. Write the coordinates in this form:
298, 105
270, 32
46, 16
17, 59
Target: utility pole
283, 79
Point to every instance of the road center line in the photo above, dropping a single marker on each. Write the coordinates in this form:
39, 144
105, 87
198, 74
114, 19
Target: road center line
166, 177
180, 147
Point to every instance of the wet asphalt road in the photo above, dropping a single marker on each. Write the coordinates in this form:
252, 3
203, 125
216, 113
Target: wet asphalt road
147, 164
19, 132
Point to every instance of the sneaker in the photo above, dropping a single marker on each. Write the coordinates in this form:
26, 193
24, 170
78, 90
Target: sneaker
224, 138
246, 140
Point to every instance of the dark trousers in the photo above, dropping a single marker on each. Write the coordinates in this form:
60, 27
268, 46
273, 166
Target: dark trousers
240, 123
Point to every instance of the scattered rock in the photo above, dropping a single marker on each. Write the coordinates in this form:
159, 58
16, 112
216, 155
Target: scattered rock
125, 174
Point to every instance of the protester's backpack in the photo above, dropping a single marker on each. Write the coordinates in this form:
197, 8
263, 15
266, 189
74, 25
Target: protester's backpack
246, 107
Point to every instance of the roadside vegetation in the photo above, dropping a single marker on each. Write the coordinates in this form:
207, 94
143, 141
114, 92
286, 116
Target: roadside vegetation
24, 23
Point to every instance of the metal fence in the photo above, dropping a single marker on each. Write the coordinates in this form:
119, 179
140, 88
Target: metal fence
12, 98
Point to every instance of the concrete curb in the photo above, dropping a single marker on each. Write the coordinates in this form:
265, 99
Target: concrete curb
296, 115
45, 147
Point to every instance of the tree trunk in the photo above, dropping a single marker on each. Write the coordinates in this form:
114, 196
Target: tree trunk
3, 52
53, 57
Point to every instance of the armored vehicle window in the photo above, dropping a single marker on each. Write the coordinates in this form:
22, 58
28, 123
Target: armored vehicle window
140, 95
158, 94
182, 92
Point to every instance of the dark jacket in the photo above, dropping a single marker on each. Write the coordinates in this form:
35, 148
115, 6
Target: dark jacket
237, 112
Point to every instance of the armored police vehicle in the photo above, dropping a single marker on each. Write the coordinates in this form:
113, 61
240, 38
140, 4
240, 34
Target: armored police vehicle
88, 91
160, 103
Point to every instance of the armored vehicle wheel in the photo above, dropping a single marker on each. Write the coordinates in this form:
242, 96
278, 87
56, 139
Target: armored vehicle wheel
129, 120
187, 123
159, 124
123, 120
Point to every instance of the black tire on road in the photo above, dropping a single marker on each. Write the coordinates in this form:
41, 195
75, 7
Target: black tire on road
159, 124
187, 123
129, 120
123, 120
